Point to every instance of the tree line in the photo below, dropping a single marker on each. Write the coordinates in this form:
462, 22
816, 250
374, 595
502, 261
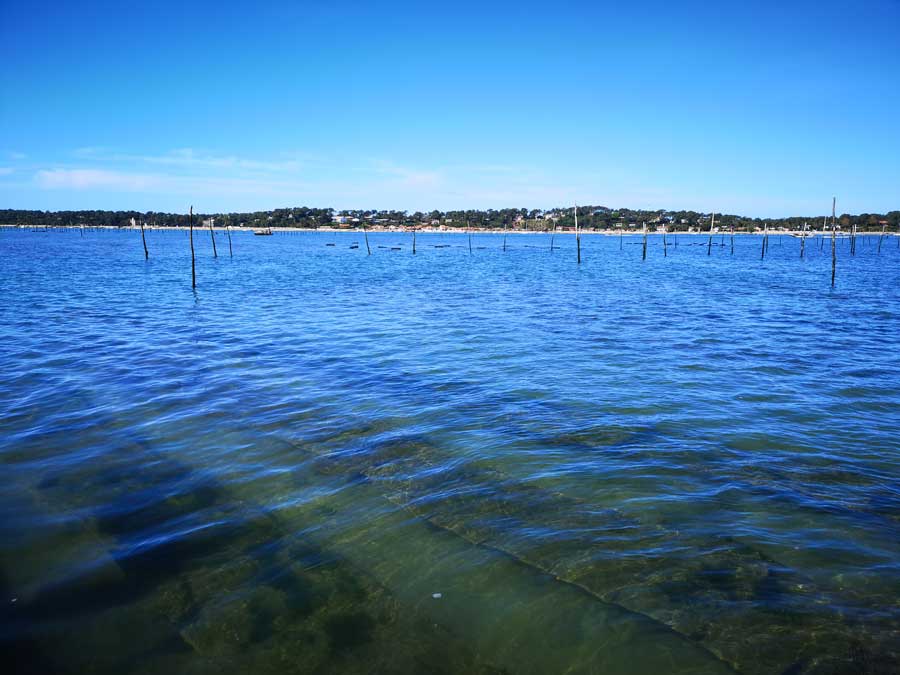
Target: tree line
589, 218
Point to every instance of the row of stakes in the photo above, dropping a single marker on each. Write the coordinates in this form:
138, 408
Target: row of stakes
764, 246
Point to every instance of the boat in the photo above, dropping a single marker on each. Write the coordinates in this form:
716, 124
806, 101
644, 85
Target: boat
262, 232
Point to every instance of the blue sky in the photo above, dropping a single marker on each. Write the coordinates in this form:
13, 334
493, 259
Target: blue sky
763, 108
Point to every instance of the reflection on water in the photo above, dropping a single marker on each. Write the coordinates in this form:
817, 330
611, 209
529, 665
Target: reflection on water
323, 461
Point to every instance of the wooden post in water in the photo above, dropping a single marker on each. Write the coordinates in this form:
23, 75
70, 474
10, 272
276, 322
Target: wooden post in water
577, 236
144, 241
833, 242
764, 241
620, 240
366, 237
665, 245
802, 241
712, 224
883, 227
212, 236
469, 232
644, 254
228, 233
505, 225
414, 239
193, 264
732, 240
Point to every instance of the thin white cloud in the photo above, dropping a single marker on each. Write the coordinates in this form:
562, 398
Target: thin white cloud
88, 179
190, 158
228, 182
219, 189
403, 176
378, 183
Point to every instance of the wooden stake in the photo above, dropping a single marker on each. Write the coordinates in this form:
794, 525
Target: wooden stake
505, 225
644, 255
833, 242
228, 232
802, 241
414, 239
764, 241
213, 237
577, 236
883, 227
144, 240
193, 265
469, 232
711, 225
366, 236
732, 240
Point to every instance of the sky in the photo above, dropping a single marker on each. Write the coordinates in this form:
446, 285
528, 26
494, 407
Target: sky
765, 109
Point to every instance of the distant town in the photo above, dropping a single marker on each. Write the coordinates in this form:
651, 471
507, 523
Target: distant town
597, 218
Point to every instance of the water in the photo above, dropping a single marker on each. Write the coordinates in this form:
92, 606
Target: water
322, 461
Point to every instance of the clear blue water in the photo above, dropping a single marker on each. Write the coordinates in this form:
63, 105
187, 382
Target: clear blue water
496, 462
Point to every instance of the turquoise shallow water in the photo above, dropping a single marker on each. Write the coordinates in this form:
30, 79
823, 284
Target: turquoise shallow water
497, 462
